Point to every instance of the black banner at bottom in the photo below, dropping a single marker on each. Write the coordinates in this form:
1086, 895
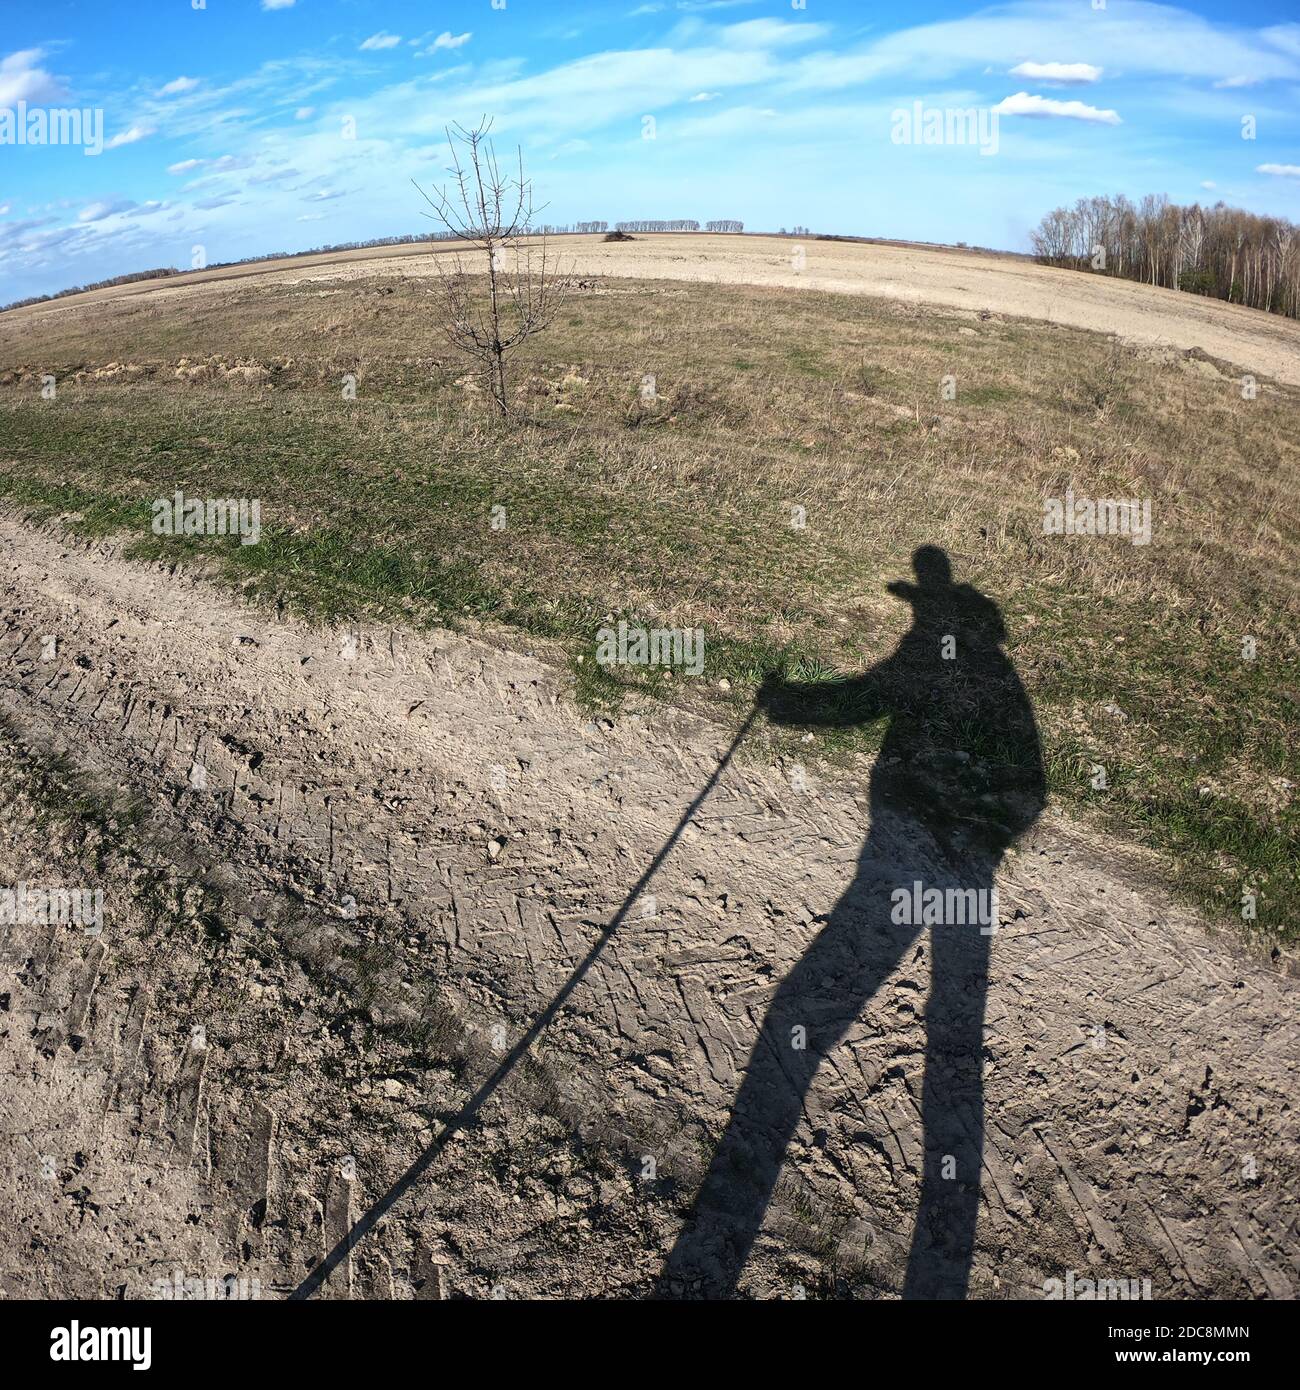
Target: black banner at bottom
226, 1337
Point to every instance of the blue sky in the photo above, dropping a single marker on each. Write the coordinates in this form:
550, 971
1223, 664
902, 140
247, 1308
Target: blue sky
249, 126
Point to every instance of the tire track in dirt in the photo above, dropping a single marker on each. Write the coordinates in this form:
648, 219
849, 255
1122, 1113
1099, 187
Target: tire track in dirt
1136, 1067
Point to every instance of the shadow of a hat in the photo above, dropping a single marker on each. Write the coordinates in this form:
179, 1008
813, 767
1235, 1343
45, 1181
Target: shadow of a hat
933, 570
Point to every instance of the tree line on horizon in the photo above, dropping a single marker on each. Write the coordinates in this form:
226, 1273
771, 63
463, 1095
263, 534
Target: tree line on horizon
130, 278
1221, 251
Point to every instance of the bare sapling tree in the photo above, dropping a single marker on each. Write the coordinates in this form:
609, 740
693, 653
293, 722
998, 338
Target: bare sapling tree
491, 212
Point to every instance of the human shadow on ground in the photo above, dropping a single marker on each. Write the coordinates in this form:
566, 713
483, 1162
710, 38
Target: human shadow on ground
959, 777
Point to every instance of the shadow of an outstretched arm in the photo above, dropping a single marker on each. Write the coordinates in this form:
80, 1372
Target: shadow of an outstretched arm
834, 704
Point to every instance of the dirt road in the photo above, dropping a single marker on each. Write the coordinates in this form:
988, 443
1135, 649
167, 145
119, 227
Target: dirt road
1139, 1073
1259, 343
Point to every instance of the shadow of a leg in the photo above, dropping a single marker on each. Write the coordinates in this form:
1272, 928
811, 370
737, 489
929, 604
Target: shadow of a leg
952, 1114
816, 1004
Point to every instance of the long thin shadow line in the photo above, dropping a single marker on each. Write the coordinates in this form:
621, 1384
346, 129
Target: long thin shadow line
363, 1227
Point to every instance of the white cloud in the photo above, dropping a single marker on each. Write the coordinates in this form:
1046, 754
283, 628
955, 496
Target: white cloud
1208, 183
22, 80
304, 113
770, 33
1023, 104
277, 4
721, 125
224, 165
449, 40
381, 40
706, 96
1240, 80
687, 6
1282, 171
1057, 72
1284, 36
275, 176
105, 207
590, 93
129, 137
177, 86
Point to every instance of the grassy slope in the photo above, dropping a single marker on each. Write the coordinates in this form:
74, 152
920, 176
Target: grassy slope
679, 512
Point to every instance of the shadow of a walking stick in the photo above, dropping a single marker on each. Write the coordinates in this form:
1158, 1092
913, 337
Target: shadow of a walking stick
463, 1118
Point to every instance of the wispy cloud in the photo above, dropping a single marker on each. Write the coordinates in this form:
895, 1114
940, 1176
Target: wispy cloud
1138, 37
104, 207
449, 40
772, 33
129, 136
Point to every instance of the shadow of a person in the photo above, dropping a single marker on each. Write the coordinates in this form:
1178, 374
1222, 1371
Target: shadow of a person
958, 778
